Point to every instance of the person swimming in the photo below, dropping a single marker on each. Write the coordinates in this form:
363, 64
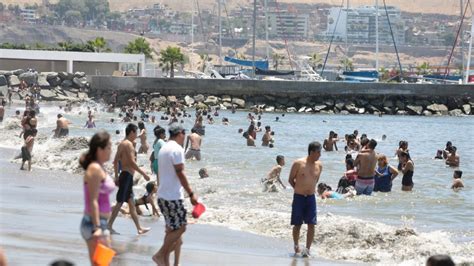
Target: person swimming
325, 192
457, 182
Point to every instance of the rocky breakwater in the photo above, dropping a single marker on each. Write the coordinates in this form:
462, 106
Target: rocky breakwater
323, 104
54, 86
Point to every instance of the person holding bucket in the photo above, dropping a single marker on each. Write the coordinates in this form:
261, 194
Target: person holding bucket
97, 188
171, 196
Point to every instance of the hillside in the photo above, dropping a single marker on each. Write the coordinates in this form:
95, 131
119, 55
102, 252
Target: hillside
450, 7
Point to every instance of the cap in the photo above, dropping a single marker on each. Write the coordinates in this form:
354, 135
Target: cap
175, 129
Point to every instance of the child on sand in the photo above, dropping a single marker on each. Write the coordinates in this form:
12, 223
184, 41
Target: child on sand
147, 198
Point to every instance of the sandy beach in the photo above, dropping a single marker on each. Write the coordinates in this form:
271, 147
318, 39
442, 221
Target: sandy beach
40, 214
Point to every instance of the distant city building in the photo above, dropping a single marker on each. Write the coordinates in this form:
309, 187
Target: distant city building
358, 24
180, 28
29, 15
286, 25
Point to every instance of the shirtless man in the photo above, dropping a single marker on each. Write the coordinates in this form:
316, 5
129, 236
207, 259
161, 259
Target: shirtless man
273, 178
250, 139
457, 182
62, 127
2, 110
304, 176
366, 162
125, 165
267, 137
330, 143
453, 158
195, 147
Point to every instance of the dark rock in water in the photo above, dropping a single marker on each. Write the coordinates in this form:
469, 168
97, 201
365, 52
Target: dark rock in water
29, 77
47, 94
65, 76
3, 80
361, 102
466, 108
13, 81
405, 232
456, 112
199, 98
66, 83
53, 82
18, 72
42, 81
400, 105
441, 108
454, 103
79, 74
414, 110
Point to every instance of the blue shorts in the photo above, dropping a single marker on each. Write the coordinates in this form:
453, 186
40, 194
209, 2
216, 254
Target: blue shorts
303, 209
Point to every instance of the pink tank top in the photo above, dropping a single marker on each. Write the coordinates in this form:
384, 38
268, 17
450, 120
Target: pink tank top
106, 187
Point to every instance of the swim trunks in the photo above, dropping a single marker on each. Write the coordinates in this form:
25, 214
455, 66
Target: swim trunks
364, 185
303, 209
125, 191
193, 153
63, 132
174, 213
87, 227
25, 154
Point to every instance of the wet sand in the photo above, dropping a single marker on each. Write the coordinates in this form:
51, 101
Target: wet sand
40, 212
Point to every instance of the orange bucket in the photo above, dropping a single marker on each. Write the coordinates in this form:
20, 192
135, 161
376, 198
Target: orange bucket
103, 255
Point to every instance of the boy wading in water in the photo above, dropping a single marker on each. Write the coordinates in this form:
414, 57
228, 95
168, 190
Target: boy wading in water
273, 178
27, 149
304, 176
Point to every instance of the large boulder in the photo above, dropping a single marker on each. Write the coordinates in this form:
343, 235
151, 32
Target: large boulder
29, 77
414, 109
456, 112
339, 104
270, 109
79, 74
172, 99
3, 80
42, 81
329, 103
79, 82
158, 101
427, 113
6, 73
188, 100
226, 98
302, 109
454, 103
48, 94
66, 83
65, 76
3, 90
18, 72
372, 109
291, 109
53, 82
211, 100
319, 107
239, 102
466, 108
50, 75
13, 81
351, 107
199, 98
438, 108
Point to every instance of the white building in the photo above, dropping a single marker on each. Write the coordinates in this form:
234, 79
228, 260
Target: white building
29, 15
359, 24
56, 61
286, 25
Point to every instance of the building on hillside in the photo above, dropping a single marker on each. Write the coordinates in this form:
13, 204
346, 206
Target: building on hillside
287, 25
359, 24
29, 15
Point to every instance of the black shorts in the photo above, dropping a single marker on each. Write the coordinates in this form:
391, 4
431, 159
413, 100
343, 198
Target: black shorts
125, 191
174, 213
25, 154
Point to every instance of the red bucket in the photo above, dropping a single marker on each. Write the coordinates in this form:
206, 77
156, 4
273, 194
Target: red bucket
198, 210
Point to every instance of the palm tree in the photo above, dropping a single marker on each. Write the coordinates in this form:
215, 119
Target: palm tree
423, 69
315, 60
171, 56
347, 64
277, 60
204, 58
138, 46
99, 44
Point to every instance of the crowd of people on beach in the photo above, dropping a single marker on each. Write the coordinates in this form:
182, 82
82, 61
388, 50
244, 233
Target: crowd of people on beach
366, 171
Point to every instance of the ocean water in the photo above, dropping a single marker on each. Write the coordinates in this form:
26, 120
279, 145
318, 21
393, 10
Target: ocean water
386, 228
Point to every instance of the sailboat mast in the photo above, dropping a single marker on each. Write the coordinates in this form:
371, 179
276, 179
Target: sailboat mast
253, 38
220, 30
462, 39
469, 54
347, 33
377, 35
266, 30
192, 34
